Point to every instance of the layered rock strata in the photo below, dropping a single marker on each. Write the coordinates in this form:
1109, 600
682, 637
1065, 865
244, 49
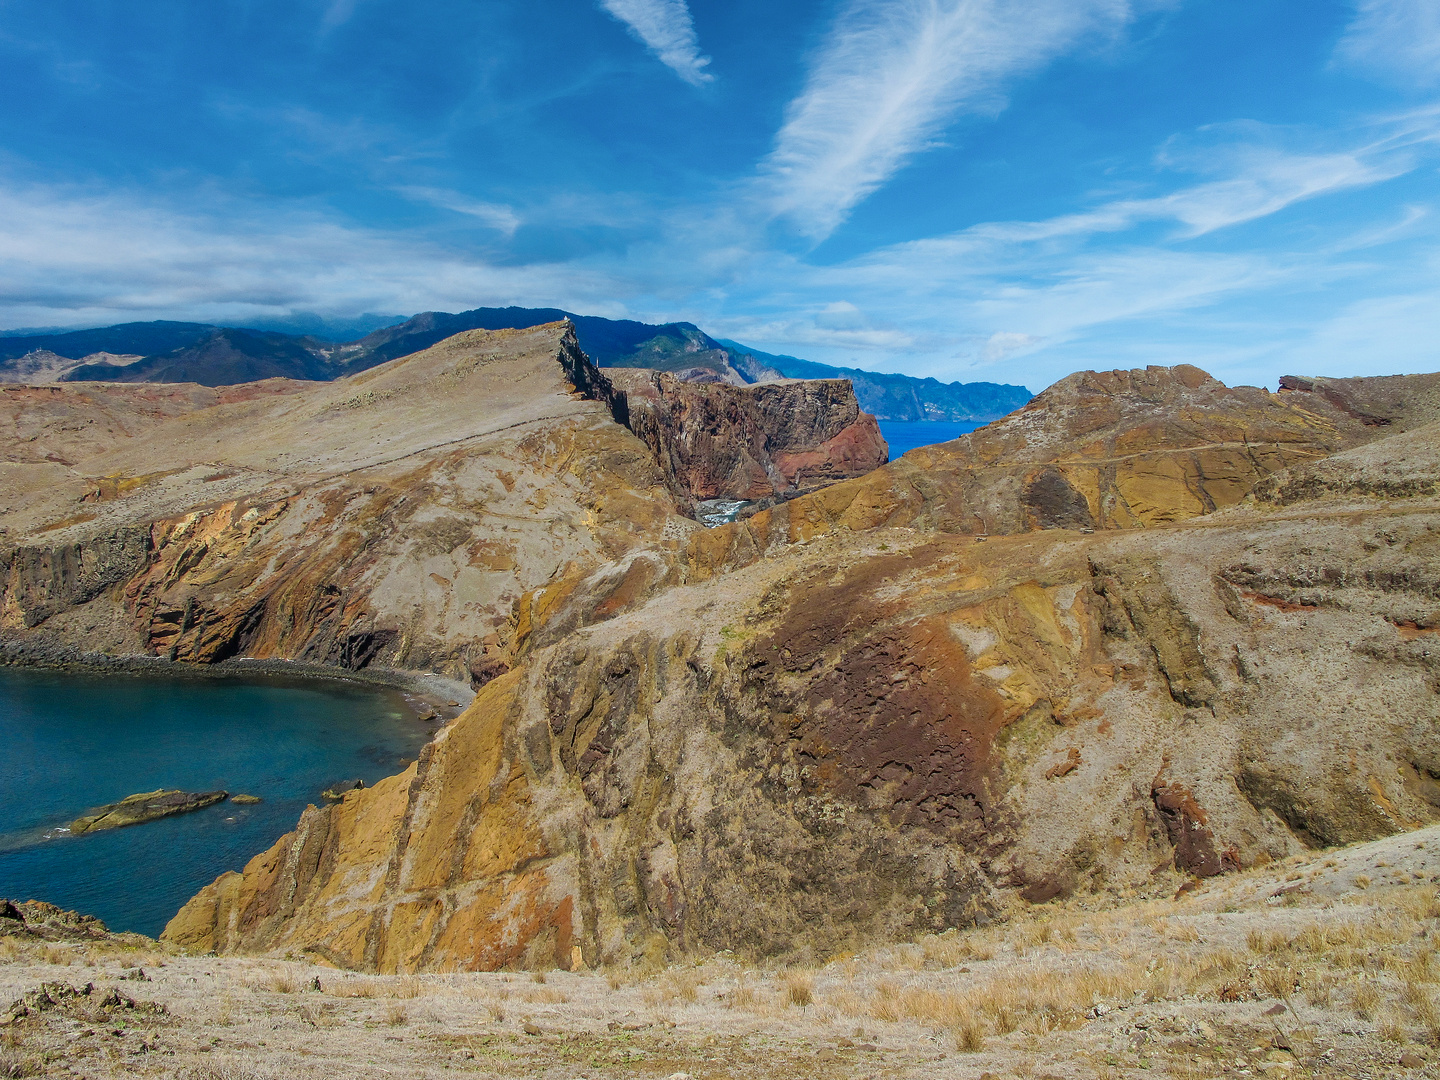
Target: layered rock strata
717, 441
846, 719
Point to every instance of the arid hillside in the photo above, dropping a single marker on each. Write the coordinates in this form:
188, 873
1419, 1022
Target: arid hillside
392, 517
1322, 966
1145, 631
860, 716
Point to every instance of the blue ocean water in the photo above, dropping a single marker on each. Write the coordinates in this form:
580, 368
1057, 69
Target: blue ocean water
71, 742
903, 435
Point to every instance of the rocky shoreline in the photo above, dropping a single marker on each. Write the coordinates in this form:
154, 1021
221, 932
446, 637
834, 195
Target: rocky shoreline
430, 695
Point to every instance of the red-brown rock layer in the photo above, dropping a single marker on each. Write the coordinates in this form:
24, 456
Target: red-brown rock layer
717, 441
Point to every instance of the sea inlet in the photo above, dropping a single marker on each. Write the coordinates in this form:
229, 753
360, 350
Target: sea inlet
72, 742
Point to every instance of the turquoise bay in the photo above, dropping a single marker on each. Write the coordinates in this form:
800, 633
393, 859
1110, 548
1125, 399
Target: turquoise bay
70, 742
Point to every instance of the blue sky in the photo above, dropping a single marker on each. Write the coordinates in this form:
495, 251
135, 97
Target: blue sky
970, 189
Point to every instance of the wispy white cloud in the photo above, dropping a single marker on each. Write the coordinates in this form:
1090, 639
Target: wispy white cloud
1125, 281
889, 76
1399, 40
1265, 182
73, 258
667, 30
1042, 293
497, 216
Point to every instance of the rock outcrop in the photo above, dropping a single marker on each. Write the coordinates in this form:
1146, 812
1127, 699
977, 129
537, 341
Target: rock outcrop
146, 806
846, 719
771, 441
35, 919
1098, 450
393, 518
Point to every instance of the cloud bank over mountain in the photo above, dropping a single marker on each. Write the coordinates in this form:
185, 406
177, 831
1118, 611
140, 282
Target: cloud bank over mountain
969, 189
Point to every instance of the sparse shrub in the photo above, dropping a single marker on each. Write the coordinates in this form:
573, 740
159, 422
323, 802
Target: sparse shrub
538, 976
799, 988
396, 1014
885, 1002
970, 1036
744, 996
1320, 991
1278, 982
1364, 999
1266, 941
677, 984
1184, 933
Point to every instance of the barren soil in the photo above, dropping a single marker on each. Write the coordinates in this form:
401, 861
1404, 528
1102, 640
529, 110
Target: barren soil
1321, 966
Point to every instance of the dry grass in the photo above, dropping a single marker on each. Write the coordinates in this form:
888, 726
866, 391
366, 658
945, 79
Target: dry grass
547, 996
745, 996
15, 1063
1163, 987
1364, 999
970, 1036
222, 1071
352, 988
678, 984
799, 988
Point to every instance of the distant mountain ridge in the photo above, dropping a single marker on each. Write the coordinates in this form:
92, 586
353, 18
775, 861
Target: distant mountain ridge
904, 397
220, 356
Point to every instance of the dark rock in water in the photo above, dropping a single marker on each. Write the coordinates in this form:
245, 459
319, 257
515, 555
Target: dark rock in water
336, 792
246, 800
146, 806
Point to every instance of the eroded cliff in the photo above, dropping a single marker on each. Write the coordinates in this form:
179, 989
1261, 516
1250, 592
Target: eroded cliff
847, 719
770, 441
391, 518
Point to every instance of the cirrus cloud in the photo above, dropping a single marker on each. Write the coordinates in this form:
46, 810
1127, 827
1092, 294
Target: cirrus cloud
668, 31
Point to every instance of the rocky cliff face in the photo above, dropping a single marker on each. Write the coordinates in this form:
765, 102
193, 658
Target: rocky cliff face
847, 719
717, 441
391, 518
